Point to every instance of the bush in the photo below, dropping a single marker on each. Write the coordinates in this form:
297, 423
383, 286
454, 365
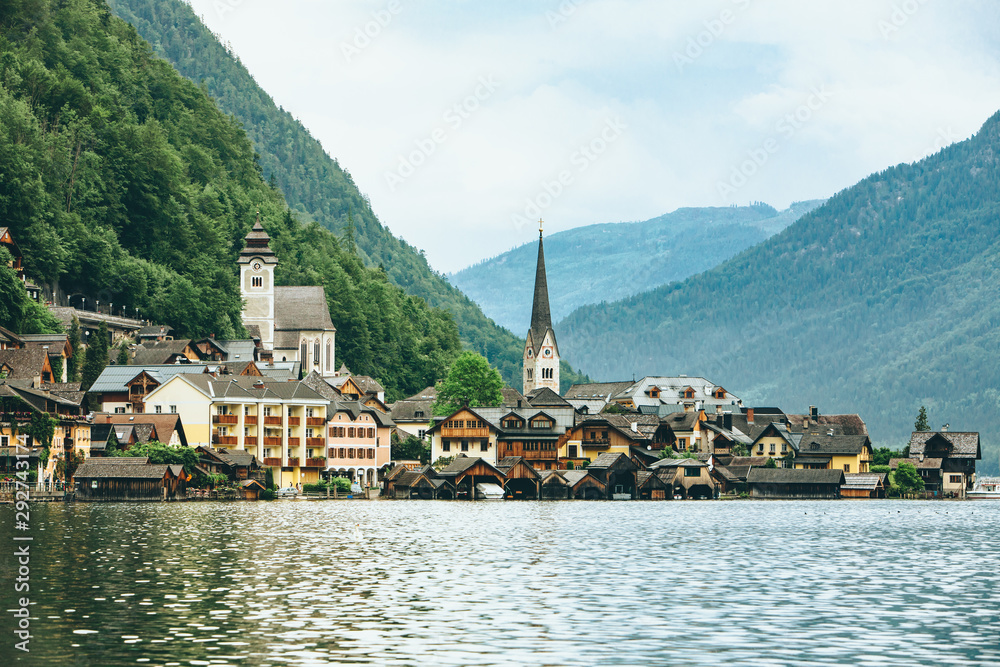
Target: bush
267, 494
880, 469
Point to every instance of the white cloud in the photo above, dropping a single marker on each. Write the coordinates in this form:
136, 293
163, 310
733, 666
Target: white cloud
898, 93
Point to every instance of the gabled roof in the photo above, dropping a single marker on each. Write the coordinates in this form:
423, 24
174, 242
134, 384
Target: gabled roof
103, 469
508, 463
301, 309
607, 460
161, 351
114, 379
24, 363
164, 423
841, 424
863, 481
832, 445
963, 445
440, 421
778, 430
544, 397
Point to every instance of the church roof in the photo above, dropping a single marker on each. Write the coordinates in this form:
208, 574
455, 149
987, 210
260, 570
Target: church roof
301, 309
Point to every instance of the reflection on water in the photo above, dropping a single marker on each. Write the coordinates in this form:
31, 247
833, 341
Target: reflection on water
559, 583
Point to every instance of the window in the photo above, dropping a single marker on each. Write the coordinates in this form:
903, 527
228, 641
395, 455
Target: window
246, 410
246, 431
682, 444
303, 351
316, 353
541, 423
309, 433
546, 373
289, 431
329, 356
371, 432
771, 449
529, 370
158, 409
371, 453
343, 452
350, 453
692, 471
760, 448
310, 453
784, 448
484, 446
465, 445
289, 411
221, 410
572, 451
309, 412
257, 281
267, 411
350, 432
421, 433
954, 479
847, 467
119, 411
445, 446
418, 414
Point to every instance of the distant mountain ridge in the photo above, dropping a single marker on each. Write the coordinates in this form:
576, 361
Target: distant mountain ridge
610, 261
880, 301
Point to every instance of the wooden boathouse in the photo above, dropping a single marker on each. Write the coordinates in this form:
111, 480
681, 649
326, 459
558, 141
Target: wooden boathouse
116, 479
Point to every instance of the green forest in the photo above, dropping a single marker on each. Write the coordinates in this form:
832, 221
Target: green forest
122, 178
314, 185
880, 301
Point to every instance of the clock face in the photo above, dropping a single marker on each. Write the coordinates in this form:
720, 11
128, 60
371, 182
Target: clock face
548, 352
256, 266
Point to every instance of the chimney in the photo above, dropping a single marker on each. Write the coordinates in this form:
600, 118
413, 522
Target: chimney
107, 418
635, 427
727, 421
750, 415
944, 429
259, 384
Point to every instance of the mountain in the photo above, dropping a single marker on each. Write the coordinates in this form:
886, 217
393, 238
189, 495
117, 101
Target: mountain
122, 181
880, 301
314, 184
621, 259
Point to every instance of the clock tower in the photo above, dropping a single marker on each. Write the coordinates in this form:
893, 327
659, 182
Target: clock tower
541, 353
257, 263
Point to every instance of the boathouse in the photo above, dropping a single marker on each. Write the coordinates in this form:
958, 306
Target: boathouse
618, 474
129, 478
795, 483
521, 480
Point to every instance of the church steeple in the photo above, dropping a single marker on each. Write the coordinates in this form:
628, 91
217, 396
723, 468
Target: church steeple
541, 353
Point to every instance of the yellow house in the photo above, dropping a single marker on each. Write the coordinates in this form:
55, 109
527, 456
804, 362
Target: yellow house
775, 441
464, 432
850, 453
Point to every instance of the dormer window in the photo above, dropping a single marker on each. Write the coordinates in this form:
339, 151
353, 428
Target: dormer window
653, 392
719, 393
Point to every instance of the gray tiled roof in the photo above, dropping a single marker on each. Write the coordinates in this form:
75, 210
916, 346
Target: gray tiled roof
301, 309
964, 445
794, 476
832, 445
25, 363
115, 378
103, 469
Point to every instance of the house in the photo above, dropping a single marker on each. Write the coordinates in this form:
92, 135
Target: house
521, 481
815, 423
464, 433
850, 453
795, 483
423, 484
250, 489
617, 472
470, 476
958, 452
102, 438
168, 428
236, 464
775, 441
613, 433
413, 415
655, 484
593, 397
123, 389
584, 486
691, 478
864, 485
158, 353
26, 363
56, 346
151, 334
118, 479
553, 485
929, 470
691, 394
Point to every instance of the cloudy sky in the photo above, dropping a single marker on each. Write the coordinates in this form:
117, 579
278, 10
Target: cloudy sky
465, 121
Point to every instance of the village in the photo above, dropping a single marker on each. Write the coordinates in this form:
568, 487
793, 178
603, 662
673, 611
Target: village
273, 414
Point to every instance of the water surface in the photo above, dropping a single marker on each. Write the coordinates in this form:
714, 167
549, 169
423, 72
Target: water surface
533, 583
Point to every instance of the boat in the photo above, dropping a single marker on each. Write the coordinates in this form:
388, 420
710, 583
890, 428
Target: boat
987, 488
486, 491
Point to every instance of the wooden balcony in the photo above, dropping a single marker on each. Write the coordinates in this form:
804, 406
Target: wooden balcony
293, 461
316, 463
315, 421
273, 462
224, 440
225, 419
293, 442
272, 442
293, 421
249, 420
249, 441
272, 421
596, 442
315, 442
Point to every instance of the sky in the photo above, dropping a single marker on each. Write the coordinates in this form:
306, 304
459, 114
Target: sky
465, 122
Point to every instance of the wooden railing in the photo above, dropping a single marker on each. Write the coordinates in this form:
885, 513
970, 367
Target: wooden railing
226, 440
293, 421
273, 462
249, 441
293, 461
225, 419
316, 463
315, 421
315, 442
293, 442
272, 421
272, 442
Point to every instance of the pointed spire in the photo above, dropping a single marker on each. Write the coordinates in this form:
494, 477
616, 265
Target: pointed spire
541, 318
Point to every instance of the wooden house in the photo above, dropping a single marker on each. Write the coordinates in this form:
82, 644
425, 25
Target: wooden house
584, 486
423, 484
236, 464
166, 352
250, 489
789, 483
654, 484
612, 434
553, 486
465, 473
521, 481
123, 479
864, 485
464, 433
690, 478
618, 474
958, 453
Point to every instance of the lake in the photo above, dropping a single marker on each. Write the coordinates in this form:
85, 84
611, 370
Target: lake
510, 583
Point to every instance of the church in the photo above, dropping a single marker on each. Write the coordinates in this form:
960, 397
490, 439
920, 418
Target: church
292, 322
541, 353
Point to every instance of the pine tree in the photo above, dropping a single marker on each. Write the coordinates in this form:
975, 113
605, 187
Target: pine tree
73, 363
921, 423
97, 358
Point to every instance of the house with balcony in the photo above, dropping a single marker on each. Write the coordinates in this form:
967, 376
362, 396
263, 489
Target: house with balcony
465, 432
850, 453
946, 460
613, 434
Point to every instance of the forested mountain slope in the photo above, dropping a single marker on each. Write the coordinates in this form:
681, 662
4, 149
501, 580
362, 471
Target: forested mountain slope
880, 301
313, 184
611, 261
120, 177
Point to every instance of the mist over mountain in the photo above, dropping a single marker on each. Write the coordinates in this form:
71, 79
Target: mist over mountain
607, 262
